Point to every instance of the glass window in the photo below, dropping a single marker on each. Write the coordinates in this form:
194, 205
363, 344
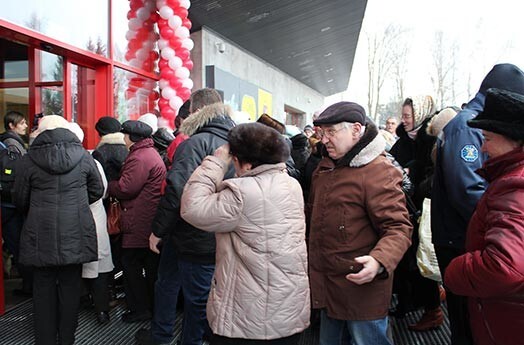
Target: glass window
16, 99
134, 39
13, 62
52, 98
83, 24
51, 67
134, 95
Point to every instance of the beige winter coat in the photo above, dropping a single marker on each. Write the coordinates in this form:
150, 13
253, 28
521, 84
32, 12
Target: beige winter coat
260, 289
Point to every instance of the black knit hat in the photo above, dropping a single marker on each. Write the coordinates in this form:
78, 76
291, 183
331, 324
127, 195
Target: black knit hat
107, 125
342, 112
137, 130
503, 114
504, 76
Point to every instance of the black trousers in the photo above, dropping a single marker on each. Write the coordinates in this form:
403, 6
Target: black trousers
457, 305
139, 289
99, 289
220, 340
56, 297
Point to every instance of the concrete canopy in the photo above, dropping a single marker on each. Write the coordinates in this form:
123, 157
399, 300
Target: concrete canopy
314, 41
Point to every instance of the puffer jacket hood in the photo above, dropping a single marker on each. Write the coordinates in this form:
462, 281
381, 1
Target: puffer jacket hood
214, 118
56, 151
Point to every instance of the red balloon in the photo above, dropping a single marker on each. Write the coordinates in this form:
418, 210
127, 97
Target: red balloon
181, 12
163, 63
130, 55
188, 64
135, 4
153, 55
183, 54
163, 103
134, 44
131, 14
173, 3
148, 24
168, 113
130, 94
175, 42
147, 65
166, 32
187, 23
153, 96
167, 73
183, 93
154, 17
162, 23
142, 34
175, 83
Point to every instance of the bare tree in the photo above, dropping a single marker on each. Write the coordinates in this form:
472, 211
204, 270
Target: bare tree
444, 63
382, 55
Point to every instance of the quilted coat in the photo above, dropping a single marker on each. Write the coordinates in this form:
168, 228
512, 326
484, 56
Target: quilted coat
260, 289
491, 273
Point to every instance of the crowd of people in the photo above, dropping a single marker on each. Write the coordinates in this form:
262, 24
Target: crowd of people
263, 229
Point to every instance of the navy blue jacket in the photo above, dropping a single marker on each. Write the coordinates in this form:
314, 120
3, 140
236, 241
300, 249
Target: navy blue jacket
456, 186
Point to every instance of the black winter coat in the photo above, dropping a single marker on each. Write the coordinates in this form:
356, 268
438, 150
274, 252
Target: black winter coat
111, 152
57, 181
208, 129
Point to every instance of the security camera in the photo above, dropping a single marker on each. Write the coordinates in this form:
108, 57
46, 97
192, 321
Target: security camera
221, 47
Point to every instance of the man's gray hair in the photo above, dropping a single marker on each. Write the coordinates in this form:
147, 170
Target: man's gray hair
350, 124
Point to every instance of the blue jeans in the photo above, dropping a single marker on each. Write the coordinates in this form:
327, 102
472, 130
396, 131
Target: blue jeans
195, 281
334, 332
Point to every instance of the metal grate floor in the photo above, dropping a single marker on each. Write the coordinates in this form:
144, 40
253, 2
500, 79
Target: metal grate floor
16, 328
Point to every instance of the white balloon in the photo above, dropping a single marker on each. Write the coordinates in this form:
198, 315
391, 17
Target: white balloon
166, 12
142, 13
162, 43
134, 63
175, 22
182, 73
167, 53
134, 24
142, 54
168, 92
175, 102
187, 83
130, 35
175, 62
182, 32
162, 83
188, 44
185, 4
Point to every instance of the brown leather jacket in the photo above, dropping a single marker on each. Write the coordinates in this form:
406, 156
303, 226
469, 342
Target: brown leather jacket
357, 208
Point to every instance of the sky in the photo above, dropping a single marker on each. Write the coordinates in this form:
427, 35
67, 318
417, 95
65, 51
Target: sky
486, 32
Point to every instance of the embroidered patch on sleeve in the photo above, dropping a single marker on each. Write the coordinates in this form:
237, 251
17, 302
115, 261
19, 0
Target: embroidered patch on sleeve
469, 153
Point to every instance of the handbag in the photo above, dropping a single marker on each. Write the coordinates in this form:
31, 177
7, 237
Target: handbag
426, 258
113, 216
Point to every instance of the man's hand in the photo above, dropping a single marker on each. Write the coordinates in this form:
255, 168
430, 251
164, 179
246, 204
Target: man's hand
153, 243
368, 273
223, 153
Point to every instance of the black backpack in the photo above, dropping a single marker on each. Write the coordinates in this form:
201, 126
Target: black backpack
8, 160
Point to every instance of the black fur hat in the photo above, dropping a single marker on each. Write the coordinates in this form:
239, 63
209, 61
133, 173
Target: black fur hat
503, 114
257, 144
137, 130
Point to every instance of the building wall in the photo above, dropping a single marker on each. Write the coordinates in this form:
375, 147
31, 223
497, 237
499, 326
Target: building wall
212, 49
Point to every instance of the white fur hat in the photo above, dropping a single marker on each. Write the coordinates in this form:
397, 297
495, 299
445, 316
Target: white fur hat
151, 120
75, 128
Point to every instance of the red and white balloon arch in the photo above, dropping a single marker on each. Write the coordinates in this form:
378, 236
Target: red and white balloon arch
173, 56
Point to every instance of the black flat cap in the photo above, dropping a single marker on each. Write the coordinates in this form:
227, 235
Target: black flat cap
137, 130
106, 125
503, 114
342, 112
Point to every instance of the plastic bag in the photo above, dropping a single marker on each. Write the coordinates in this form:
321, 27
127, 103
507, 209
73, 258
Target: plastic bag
426, 258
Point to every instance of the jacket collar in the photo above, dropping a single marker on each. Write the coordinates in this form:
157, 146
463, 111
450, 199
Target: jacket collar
498, 166
112, 139
148, 142
265, 168
199, 119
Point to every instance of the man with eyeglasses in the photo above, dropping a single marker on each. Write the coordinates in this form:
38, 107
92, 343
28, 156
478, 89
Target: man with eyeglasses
360, 228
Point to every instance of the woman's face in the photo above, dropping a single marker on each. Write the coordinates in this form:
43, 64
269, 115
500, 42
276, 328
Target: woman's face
496, 144
407, 118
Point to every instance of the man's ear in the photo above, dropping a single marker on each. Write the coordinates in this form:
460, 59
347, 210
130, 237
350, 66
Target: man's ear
356, 128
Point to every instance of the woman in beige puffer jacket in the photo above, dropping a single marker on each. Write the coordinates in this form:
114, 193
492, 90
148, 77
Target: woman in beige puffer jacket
260, 290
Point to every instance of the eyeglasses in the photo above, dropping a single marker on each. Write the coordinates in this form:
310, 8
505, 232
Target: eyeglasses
329, 133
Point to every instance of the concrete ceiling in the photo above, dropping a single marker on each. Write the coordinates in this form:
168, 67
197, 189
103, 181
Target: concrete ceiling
314, 41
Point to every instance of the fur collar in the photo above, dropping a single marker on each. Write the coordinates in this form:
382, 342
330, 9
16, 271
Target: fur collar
369, 153
112, 139
202, 117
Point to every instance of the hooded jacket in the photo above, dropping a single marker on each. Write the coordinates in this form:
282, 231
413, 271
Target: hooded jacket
357, 208
207, 130
491, 273
138, 190
456, 186
57, 181
260, 289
